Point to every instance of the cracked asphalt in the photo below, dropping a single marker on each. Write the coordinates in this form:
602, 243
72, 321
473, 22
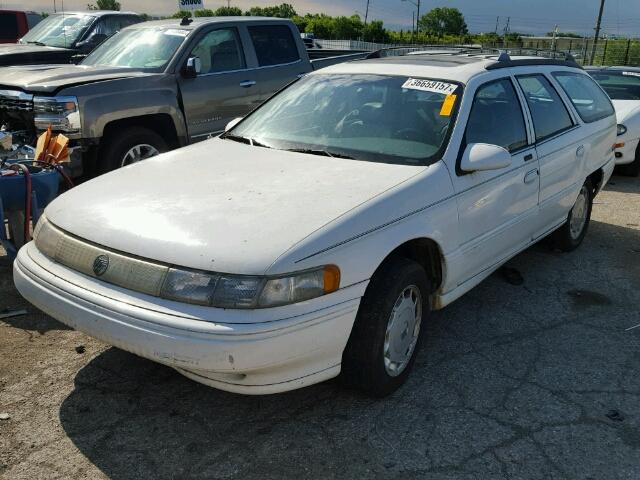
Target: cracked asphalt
532, 381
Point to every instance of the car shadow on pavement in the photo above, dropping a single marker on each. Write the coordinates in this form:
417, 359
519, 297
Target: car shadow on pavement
514, 379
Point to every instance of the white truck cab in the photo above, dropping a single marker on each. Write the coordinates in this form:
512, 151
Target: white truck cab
314, 237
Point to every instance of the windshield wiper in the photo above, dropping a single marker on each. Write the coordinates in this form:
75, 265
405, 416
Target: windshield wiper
40, 44
325, 153
248, 141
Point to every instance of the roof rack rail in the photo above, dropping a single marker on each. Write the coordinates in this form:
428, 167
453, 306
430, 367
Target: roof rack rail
504, 60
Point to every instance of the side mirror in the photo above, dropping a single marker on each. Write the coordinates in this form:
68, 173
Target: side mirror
192, 68
483, 156
232, 124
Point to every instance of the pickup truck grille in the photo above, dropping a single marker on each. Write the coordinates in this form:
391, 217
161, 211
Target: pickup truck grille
15, 101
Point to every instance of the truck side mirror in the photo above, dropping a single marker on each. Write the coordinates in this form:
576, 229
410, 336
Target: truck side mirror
192, 68
483, 156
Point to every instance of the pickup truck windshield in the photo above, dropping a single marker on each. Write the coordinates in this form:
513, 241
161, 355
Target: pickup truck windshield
58, 30
142, 48
365, 117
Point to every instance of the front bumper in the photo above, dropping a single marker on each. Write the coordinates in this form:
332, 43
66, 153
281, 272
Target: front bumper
271, 356
627, 154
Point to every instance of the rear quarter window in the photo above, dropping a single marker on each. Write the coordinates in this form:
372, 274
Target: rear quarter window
274, 44
587, 97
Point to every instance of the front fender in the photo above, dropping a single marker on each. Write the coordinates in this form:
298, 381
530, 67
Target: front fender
104, 102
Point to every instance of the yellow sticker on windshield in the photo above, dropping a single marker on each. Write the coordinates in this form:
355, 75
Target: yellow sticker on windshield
447, 105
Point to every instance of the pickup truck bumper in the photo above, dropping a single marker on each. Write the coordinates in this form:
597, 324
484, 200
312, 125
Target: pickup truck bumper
250, 358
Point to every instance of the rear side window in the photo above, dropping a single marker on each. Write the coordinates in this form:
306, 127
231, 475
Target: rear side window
8, 26
33, 19
590, 101
274, 44
496, 117
550, 116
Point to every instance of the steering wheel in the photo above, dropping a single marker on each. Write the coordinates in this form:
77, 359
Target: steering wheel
349, 120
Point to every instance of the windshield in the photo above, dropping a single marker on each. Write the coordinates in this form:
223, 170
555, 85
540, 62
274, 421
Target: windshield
365, 117
138, 48
58, 30
619, 85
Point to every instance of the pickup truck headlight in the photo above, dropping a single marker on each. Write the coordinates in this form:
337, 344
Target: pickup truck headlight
62, 113
621, 129
238, 291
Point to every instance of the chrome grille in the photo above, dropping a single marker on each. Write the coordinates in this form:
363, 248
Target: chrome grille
15, 101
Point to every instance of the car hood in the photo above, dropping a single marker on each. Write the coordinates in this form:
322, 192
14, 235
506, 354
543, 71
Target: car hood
625, 109
19, 54
220, 205
50, 78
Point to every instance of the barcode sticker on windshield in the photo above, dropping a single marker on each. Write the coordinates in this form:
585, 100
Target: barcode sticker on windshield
632, 74
433, 86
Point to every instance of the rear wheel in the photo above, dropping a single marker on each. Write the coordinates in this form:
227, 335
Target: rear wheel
132, 146
389, 326
570, 235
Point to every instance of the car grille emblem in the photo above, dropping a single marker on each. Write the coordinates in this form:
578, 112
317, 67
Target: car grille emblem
100, 265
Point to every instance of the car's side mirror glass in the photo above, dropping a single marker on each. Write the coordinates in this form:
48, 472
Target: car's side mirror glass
192, 68
232, 124
483, 156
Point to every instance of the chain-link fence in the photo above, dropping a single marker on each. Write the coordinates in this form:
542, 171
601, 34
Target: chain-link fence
607, 51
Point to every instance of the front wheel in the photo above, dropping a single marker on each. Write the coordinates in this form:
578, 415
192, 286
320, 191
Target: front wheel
388, 328
129, 147
572, 233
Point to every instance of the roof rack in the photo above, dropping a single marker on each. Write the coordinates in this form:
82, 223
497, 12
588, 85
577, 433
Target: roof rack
504, 60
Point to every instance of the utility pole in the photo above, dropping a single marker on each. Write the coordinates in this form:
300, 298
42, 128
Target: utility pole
418, 17
595, 39
54, 6
497, 23
366, 14
413, 22
553, 41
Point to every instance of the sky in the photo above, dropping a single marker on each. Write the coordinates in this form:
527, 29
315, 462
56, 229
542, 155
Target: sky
621, 17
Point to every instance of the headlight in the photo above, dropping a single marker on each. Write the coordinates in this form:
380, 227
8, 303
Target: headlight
238, 291
62, 113
621, 129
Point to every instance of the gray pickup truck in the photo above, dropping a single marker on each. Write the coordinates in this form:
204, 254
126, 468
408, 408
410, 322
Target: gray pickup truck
154, 86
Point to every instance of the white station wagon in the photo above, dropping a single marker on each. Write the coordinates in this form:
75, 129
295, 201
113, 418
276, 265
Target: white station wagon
314, 237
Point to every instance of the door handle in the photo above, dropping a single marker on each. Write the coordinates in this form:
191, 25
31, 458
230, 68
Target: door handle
580, 151
247, 83
531, 176
528, 157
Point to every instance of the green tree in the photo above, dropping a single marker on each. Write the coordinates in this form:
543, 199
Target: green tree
284, 10
347, 27
104, 5
443, 21
375, 32
224, 12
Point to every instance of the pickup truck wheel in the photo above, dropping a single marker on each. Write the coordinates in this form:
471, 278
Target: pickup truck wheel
135, 145
387, 331
570, 235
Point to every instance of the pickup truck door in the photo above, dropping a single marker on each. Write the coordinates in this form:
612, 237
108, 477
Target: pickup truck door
281, 58
560, 149
219, 93
496, 208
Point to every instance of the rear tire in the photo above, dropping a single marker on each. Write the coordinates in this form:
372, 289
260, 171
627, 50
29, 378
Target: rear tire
388, 328
121, 148
572, 233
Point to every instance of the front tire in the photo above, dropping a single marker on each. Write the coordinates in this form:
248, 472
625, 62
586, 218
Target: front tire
388, 329
133, 145
572, 233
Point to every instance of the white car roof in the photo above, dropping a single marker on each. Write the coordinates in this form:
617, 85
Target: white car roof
458, 67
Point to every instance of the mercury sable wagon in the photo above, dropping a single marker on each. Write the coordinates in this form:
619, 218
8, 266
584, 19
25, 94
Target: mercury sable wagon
313, 238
